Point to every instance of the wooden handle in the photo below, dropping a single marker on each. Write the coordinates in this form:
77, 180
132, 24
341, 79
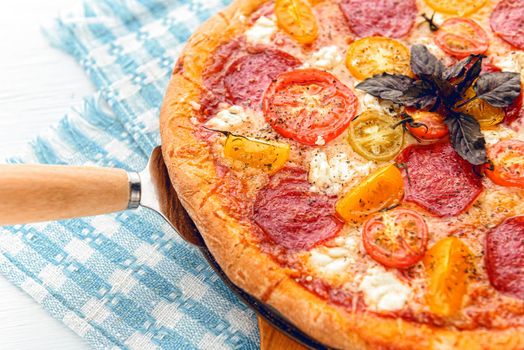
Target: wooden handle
272, 339
32, 193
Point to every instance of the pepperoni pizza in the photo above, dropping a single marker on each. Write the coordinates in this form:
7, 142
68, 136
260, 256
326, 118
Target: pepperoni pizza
359, 165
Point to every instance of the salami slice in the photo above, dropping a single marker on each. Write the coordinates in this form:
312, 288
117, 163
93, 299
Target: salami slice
213, 76
248, 77
438, 179
291, 215
390, 18
507, 21
505, 257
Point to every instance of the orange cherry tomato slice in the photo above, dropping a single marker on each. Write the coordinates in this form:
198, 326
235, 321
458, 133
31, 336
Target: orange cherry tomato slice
447, 264
460, 37
456, 7
507, 158
382, 189
369, 56
428, 126
397, 238
260, 154
297, 18
487, 115
309, 106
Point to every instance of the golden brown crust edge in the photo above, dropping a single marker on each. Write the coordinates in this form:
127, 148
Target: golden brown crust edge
193, 176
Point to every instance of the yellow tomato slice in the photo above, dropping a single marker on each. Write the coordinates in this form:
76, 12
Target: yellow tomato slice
367, 57
296, 17
257, 154
456, 7
486, 114
373, 136
447, 264
380, 190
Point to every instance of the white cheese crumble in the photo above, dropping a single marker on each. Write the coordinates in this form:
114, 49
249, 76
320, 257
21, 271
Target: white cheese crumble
242, 19
383, 291
511, 62
195, 105
367, 101
501, 133
227, 118
233, 117
334, 260
262, 31
320, 141
329, 176
327, 57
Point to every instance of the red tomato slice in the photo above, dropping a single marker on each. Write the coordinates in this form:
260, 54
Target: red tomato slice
515, 112
460, 37
432, 126
309, 106
507, 157
398, 238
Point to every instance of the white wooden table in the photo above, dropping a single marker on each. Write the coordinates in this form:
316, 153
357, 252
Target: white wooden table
37, 86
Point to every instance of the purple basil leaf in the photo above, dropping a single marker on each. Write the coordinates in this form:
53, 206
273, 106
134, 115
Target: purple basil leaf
400, 89
466, 138
386, 85
458, 69
425, 64
420, 95
471, 74
499, 89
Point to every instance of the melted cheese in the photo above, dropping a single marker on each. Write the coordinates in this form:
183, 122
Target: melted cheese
383, 291
511, 62
327, 57
262, 31
330, 175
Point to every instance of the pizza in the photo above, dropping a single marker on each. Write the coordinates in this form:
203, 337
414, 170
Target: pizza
359, 165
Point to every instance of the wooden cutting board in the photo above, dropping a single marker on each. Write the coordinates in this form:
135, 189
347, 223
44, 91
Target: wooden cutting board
271, 338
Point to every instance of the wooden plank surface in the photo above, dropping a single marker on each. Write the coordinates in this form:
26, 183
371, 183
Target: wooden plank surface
38, 84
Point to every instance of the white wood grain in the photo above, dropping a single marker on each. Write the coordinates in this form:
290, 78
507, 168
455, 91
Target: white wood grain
38, 84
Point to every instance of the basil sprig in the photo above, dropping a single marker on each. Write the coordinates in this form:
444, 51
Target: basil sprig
443, 88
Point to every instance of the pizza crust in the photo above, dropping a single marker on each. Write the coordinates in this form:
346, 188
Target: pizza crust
193, 175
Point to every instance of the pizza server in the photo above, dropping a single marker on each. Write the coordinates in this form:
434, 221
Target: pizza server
34, 193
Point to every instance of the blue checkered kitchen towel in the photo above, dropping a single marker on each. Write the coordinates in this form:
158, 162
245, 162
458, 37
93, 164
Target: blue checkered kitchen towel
124, 280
